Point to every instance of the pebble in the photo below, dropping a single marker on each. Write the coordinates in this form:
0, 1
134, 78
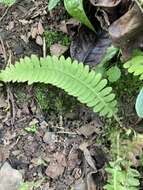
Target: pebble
10, 179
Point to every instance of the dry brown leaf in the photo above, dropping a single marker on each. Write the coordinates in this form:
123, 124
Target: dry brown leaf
58, 49
105, 3
40, 28
34, 32
90, 128
87, 155
54, 170
126, 32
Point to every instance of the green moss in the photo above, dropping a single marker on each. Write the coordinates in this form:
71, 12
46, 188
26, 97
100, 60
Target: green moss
51, 99
21, 94
52, 37
41, 97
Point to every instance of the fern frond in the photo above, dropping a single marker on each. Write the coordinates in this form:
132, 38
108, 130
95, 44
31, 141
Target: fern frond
74, 78
135, 65
120, 178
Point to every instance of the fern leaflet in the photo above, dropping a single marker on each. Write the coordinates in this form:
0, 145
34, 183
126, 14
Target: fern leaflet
135, 65
73, 77
121, 178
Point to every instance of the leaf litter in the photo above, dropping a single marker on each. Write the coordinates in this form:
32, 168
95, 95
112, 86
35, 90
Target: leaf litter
58, 150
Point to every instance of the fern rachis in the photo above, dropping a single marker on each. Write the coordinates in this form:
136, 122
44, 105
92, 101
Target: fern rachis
73, 77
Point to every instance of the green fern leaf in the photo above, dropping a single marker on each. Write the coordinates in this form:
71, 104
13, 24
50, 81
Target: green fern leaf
121, 179
74, 78
135, 65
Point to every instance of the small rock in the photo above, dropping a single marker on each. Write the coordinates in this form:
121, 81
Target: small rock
10, 179
39, 40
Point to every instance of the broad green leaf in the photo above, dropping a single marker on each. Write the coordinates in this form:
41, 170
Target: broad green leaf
52, 4
114, 74
139, 104
76, 10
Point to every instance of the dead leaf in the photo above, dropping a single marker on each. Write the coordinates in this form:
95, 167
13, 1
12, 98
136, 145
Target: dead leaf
89, 48
105, 3
54, 170
126, 32
90, 128
87, 155
4, 153
58, 49
65, 25
73, 158
40, 28
34, 32
60, 158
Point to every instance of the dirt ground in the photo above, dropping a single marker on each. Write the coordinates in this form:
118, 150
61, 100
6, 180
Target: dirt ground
52, 151
56, 144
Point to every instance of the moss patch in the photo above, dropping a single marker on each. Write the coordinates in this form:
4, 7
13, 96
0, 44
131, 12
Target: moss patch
53, 37
51, 99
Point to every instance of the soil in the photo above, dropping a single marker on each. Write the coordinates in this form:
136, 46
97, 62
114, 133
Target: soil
52, 151
56, 143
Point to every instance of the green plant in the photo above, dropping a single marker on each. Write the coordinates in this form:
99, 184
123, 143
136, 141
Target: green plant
7, 2
32, 129
73, 77
52, 4
52, 37
135, 66
75, 9
114, 74
30, 185
122, 176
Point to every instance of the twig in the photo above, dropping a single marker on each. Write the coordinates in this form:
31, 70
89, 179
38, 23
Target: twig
5, 13
11, 101
3, 49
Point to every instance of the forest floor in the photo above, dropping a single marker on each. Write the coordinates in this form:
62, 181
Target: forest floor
49, 137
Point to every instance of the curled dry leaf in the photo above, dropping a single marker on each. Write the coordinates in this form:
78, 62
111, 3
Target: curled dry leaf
127, 31
105, 3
